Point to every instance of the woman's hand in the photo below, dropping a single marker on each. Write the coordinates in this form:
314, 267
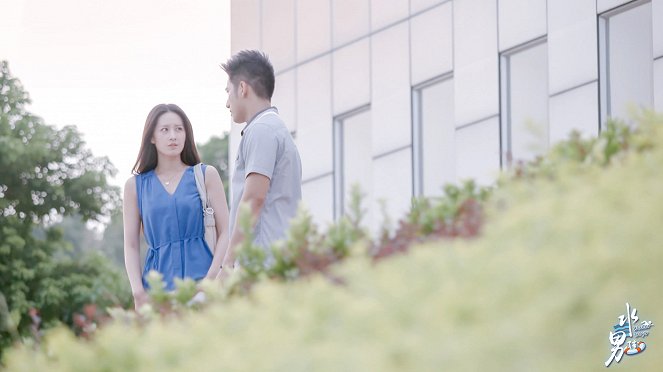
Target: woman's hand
222, 275
140, 298
212, 273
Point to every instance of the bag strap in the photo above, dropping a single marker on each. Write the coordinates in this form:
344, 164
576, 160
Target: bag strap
200, 184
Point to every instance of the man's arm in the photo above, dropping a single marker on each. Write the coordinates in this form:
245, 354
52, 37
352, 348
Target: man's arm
255, 193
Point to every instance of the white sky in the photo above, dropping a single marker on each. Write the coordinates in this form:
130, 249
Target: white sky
102, 65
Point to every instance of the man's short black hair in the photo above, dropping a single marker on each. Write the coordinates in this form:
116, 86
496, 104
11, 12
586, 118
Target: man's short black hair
254, 68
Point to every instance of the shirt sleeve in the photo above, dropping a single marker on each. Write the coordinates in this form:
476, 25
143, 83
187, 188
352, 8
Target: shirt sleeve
260, 151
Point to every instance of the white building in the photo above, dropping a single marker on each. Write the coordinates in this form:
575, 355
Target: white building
402, 96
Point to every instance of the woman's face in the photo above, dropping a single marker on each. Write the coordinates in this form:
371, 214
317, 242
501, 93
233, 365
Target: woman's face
169, 135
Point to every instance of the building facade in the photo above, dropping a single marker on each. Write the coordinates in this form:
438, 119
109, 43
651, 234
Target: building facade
403, 96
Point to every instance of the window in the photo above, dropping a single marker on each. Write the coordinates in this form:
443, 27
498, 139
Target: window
352, 155
524, 101
626, 59
433, 136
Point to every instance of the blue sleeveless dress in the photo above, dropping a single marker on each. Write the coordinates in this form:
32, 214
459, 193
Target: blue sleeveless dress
173, 227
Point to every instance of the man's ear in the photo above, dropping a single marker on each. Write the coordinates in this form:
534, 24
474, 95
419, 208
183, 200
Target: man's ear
243, 89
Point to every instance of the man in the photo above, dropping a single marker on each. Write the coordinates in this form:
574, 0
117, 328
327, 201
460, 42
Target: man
268, 169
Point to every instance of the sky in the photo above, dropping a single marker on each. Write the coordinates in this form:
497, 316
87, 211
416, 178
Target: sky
102, 65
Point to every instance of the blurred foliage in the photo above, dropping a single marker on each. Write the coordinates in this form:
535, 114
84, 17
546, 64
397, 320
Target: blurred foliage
78, 238
554, 252
616, 140
111, 244
47, 174
539, 289
459, 212
304, 251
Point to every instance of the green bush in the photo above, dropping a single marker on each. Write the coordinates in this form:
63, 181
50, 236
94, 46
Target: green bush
47, 173
540, 289
304, 250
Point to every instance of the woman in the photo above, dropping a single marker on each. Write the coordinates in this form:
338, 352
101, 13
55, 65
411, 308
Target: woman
162, 199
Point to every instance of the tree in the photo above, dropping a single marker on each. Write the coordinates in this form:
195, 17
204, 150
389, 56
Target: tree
80, 240
215, 152
112, 243
45, 174
44, 171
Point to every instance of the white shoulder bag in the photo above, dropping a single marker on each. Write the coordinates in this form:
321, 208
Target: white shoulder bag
208, 212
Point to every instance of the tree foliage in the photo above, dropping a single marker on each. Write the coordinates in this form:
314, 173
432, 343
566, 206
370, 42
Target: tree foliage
46, 173
215, 152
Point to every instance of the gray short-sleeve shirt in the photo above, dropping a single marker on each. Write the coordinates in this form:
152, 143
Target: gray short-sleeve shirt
267, 148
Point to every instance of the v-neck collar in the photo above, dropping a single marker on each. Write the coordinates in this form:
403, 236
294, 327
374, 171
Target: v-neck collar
163, 187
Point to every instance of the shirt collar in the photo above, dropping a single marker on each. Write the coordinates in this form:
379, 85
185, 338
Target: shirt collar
256, 115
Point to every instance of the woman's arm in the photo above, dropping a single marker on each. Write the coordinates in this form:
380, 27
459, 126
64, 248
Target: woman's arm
217, 200
132, 224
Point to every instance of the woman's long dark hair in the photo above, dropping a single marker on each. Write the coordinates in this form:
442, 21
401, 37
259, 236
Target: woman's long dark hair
147, 155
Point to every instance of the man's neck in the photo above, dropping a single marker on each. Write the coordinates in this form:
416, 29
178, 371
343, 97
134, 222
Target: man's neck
255, 108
